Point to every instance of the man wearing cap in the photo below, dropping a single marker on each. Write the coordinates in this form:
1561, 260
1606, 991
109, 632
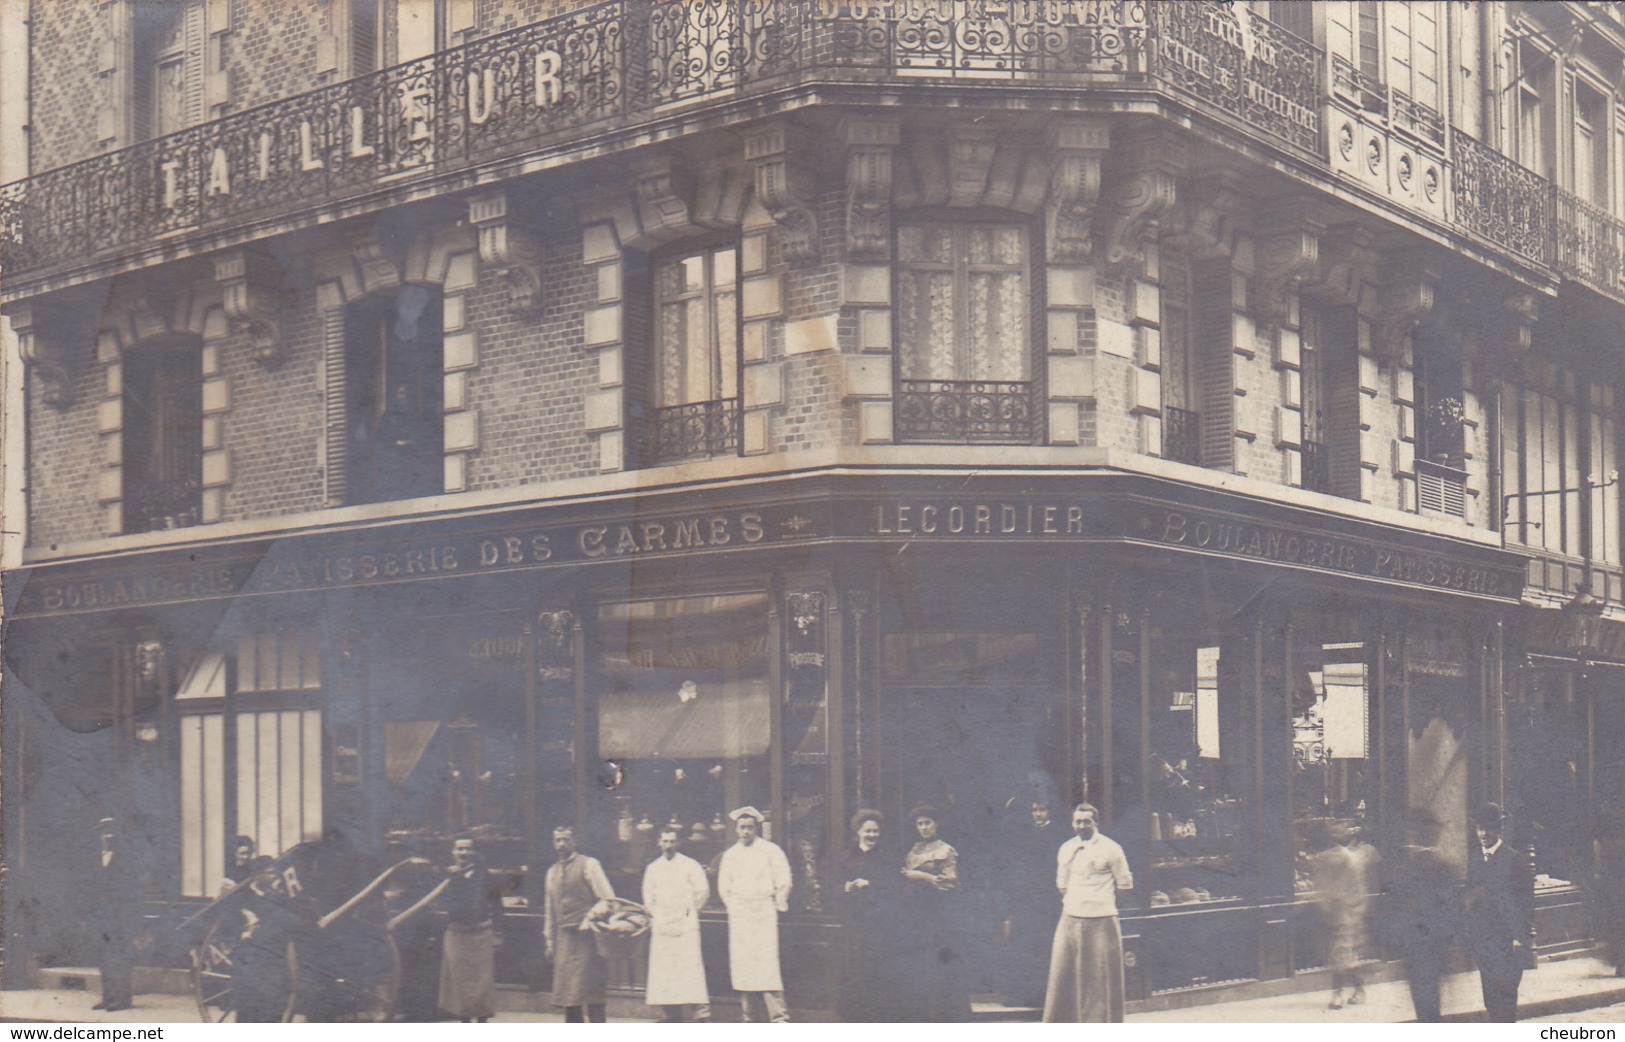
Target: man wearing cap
115, 916
575, 882
1086, 958
675, 888
1500, 913
754, 883
262, 983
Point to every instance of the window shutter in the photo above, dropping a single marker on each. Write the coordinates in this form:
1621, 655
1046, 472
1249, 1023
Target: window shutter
1215, 347
1340, 376
193, 37
363, 44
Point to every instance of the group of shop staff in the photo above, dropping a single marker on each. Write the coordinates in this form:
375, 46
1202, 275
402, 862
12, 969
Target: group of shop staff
902, 958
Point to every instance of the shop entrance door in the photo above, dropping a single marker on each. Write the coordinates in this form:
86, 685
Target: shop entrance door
979, 755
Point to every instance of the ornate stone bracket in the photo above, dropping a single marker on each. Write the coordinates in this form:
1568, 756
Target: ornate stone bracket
663, 189
869, 145
511, 252
1404, 300
1346, 262
1523, 308
1144, 186
1209, 214
1078, 146
1285, 254
52, 342
970, 157
785, 189
247, 281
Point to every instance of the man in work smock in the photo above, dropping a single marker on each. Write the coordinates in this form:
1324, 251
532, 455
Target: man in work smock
1086, 960
575, 882
674, 890
754, 883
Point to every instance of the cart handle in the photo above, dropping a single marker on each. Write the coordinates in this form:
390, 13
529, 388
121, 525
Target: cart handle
427, 899
367, 891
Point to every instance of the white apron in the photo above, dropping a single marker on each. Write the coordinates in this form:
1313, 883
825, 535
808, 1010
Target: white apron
754, 881
674, 892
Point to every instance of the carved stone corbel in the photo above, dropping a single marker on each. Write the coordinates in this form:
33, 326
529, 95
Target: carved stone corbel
511, 253
1078, 147
53, 344
1523, 308
248, 282
1404, 300
785, 189
1209, 214
1347, 262
869, 145
1285, 254
663, 189
1143, 186
970, 156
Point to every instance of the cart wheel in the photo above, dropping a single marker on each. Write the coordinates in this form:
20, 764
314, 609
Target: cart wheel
375, 990
212, 970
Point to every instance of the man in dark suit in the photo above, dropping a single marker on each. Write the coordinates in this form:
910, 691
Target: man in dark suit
1500, 911
115, 914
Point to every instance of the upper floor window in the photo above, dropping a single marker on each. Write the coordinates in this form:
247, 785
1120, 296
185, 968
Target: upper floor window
1591, 120
419, 28
965, 356
696, 354
1385, 58
394, 372
1535, 91
166, 76
162, 434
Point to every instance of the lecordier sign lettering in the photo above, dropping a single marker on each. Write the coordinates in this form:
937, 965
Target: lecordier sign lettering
451, 548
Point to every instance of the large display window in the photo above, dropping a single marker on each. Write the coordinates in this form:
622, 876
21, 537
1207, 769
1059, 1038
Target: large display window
684, 721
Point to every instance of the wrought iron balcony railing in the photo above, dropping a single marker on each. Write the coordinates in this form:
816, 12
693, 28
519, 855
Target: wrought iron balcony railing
155, 505
694, 431
1588, 243
965, 412
1500, 200
1181, 435
1317, 471
1398, 109
628, 63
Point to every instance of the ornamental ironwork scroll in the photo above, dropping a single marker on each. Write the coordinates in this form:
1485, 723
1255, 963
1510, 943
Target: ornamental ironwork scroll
1500, 199
959, 412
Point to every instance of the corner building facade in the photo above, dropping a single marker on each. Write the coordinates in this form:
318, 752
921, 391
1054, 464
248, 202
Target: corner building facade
451, 416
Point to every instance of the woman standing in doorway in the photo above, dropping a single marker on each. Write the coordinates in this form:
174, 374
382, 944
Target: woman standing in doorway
933, 962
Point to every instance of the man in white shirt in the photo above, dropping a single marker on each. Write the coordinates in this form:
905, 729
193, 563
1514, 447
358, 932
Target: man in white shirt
1086, 959
674, 890
754, 882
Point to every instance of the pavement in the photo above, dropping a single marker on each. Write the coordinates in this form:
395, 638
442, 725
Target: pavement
1582, 989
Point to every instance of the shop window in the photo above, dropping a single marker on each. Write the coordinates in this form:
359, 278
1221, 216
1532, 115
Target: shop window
237, 726
1333, 786
1195, 808
685, 721
965, 350
696, 354
162, 466
393, 384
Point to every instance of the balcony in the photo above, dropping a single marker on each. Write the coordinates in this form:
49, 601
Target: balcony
1317, 470
1182, 435
621, 68
965, 412
697, 430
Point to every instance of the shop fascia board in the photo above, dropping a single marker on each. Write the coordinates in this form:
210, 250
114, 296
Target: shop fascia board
731, 473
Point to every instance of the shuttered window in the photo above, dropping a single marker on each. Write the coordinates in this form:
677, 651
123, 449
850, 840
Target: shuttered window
166, 75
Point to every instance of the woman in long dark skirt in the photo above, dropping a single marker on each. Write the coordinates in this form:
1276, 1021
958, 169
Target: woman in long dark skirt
867, 890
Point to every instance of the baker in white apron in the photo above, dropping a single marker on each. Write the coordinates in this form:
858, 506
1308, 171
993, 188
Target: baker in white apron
754, 883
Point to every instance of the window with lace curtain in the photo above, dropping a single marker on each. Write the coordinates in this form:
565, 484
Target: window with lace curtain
964, 358
696, 354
